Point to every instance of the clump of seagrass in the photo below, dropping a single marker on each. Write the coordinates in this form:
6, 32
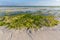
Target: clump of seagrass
28, 21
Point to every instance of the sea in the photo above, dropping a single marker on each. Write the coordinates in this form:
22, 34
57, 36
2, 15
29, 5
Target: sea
44, 9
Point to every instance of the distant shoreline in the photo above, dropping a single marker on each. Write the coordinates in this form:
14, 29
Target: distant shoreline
29, 6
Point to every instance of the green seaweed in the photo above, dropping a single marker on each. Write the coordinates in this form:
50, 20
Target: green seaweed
28, 21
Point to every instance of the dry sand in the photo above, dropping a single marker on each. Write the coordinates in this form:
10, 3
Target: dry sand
42, 34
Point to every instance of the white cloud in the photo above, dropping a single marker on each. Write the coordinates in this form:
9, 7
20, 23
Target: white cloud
57, 0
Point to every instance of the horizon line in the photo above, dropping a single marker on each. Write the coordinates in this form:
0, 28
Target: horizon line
29, 6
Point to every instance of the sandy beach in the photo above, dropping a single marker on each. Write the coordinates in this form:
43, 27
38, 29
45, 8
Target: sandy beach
42, 34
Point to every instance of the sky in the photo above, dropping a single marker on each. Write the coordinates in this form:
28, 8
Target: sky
30, 2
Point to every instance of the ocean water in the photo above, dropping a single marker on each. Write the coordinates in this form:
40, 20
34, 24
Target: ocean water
15, 10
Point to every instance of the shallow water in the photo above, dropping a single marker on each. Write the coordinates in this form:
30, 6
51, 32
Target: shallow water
17, 10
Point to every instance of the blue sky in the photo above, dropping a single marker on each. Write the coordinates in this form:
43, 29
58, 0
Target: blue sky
30, 2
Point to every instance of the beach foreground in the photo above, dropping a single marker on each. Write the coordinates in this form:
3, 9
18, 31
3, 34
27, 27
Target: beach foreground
45, 33
42, 34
